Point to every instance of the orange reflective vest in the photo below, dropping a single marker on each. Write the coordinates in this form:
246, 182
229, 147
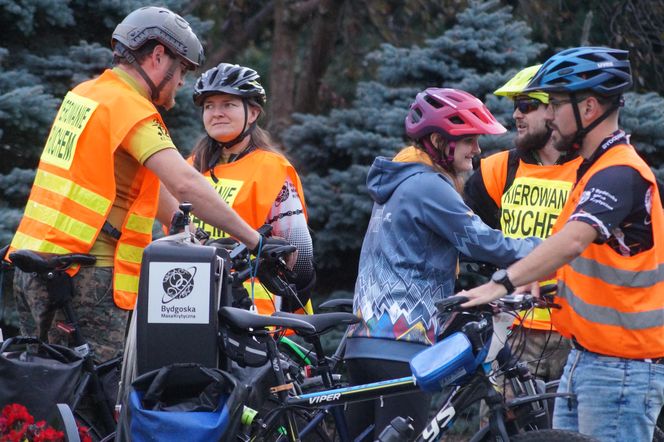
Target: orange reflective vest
250, 186
529, 206
74, 187
614, 304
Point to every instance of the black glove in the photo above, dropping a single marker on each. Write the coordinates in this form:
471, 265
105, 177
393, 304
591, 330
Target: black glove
272, 269
275, 249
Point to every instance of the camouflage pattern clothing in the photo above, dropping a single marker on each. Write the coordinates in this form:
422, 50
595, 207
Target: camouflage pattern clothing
102, 323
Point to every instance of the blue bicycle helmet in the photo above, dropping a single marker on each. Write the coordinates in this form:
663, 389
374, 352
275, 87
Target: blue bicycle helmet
605, 71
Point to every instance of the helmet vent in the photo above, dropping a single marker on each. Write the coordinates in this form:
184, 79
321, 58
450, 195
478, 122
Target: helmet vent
416, 115
433, 102
456, 120
565, 64
594, 57
481, 116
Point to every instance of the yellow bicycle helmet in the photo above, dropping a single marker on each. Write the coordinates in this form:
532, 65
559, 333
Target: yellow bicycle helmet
518, 83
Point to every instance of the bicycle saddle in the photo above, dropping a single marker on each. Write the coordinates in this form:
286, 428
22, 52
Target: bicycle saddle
33, 262
337, 303
245, 320
322, 322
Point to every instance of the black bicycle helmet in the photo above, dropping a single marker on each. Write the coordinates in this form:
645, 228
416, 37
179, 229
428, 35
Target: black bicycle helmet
232, 79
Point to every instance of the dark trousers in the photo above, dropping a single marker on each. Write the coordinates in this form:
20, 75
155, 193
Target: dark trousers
362, 414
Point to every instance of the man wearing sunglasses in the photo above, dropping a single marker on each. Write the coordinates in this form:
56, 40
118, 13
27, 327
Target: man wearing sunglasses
521, 192
608, 253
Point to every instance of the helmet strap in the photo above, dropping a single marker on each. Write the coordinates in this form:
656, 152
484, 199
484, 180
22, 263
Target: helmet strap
168, 77
581, 131
125, 53
213, 146
245, 130
438, 156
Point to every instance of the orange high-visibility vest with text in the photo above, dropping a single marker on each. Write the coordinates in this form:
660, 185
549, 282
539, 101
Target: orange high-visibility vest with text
74, 187
250, 186
613, 304
530, 206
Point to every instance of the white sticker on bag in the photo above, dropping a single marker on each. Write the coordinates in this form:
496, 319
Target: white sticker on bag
179, 293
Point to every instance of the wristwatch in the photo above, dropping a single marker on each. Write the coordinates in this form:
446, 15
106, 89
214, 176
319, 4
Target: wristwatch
501, 277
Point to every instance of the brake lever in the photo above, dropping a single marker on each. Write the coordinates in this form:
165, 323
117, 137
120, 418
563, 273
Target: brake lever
264, 230
517, 301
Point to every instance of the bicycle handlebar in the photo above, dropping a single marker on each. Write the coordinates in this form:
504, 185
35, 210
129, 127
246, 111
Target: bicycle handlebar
509, 303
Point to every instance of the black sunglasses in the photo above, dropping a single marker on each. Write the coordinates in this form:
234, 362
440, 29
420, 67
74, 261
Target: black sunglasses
527, 105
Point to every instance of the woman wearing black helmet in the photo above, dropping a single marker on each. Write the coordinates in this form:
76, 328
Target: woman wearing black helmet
245, 167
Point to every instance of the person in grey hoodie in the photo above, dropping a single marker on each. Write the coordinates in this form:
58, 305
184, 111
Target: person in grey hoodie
409, 258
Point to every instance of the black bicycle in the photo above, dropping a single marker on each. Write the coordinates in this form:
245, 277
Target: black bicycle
454, 363
94, 397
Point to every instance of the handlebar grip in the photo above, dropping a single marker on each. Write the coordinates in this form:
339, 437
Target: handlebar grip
75, 258
450, 304
548, 289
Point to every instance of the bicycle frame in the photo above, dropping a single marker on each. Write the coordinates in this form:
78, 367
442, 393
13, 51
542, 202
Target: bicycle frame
470, 388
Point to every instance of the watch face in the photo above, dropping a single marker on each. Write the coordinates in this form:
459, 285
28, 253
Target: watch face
499, 275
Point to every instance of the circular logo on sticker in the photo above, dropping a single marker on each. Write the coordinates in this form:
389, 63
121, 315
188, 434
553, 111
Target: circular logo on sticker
178, 283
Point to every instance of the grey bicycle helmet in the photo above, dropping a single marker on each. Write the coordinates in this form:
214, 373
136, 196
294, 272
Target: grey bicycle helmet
163, 25
232, 79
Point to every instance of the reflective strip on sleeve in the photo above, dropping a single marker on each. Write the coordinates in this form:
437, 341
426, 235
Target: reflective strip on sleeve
615, 276
58, 220
73, 191
140, 224
609, 316
23, 241
129, 253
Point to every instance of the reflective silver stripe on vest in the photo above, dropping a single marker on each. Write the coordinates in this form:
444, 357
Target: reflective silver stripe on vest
619, 277
609, 316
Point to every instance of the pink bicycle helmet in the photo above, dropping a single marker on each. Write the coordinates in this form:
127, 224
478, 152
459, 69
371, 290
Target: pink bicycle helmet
454, 114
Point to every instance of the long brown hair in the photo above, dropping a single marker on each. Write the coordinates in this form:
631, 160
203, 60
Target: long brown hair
207, 146
449, 172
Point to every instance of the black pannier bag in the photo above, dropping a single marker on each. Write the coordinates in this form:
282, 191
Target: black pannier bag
37, 375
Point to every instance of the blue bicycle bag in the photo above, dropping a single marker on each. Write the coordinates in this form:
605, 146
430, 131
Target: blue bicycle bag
182, 402
445, 363
176, 426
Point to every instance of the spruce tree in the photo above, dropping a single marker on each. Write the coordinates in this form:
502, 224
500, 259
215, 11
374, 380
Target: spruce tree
480, 52
48, 47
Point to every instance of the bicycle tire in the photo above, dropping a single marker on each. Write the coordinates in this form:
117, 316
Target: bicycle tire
551, 436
